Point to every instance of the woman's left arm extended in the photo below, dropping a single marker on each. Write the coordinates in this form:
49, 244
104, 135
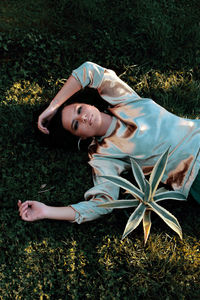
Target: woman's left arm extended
102, 192
34, 210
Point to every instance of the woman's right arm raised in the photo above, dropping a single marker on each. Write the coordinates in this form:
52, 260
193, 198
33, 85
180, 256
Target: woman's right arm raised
88, 74
71, 86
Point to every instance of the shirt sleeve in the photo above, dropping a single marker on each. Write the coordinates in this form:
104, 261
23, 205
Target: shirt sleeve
102, 192
89, 74
110, 87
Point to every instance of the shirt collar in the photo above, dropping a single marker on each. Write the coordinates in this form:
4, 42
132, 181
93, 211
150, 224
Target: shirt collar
109, 131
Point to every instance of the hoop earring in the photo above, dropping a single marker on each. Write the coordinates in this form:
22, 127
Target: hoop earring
83, 139
79, 141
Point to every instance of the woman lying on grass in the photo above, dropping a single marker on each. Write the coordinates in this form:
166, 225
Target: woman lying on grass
134, 126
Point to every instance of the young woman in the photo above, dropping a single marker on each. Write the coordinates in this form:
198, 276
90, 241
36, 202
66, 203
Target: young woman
136, 127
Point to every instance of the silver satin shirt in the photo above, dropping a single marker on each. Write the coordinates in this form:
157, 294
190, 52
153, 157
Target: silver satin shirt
140, 128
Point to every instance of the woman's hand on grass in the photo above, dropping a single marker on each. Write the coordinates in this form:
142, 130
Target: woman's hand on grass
31, 210
34, 210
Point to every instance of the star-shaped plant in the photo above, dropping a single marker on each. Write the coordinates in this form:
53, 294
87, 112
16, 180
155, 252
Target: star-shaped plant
146, 198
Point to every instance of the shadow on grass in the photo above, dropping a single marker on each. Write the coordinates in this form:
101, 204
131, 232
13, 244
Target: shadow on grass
58, 259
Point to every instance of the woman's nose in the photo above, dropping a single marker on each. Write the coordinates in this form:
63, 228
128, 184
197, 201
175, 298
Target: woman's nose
83, 118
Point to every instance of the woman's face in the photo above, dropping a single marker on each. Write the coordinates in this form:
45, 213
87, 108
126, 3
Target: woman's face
82, 119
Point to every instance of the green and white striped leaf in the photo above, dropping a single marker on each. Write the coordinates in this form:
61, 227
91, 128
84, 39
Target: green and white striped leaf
170, 195
167, 217
146, 225
158, 171
147, 194
161, 190
120, 203
125, 184
138, 174
134, 220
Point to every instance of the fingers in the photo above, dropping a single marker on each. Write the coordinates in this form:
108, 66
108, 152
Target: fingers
42, 128
24, 210
44, 117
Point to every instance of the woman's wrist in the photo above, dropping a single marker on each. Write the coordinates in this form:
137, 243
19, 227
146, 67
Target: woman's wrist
45, 212
54, 104
71, 86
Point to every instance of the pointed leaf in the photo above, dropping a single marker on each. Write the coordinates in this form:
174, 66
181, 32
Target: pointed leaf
134, 220
147, 195
125, 184
138, 174
136, 197
146, 224
171, 195
158, 171
167, 217
121, 203
161, 190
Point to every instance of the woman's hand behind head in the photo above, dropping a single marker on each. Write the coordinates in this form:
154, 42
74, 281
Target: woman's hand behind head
45, 117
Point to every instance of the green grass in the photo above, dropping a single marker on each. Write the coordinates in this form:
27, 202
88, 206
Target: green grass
155, 46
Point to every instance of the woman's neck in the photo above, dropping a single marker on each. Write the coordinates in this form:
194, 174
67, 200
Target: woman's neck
106, 121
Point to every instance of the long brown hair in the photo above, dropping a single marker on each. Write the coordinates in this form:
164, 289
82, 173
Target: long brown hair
59, 137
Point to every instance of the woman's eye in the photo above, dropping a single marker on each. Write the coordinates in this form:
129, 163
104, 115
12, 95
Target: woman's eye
79, 110
76, 125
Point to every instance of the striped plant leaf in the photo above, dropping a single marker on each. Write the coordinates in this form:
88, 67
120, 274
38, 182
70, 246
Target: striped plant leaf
147, 194
134, 220
161, 190
138, 174
169, 195
167, 217
125, 184
158, 171
120, 203
146, 198
146, 225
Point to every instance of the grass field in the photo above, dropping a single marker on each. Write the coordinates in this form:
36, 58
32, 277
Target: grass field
155, 47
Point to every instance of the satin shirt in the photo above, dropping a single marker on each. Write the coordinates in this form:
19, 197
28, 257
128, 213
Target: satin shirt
141, 129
